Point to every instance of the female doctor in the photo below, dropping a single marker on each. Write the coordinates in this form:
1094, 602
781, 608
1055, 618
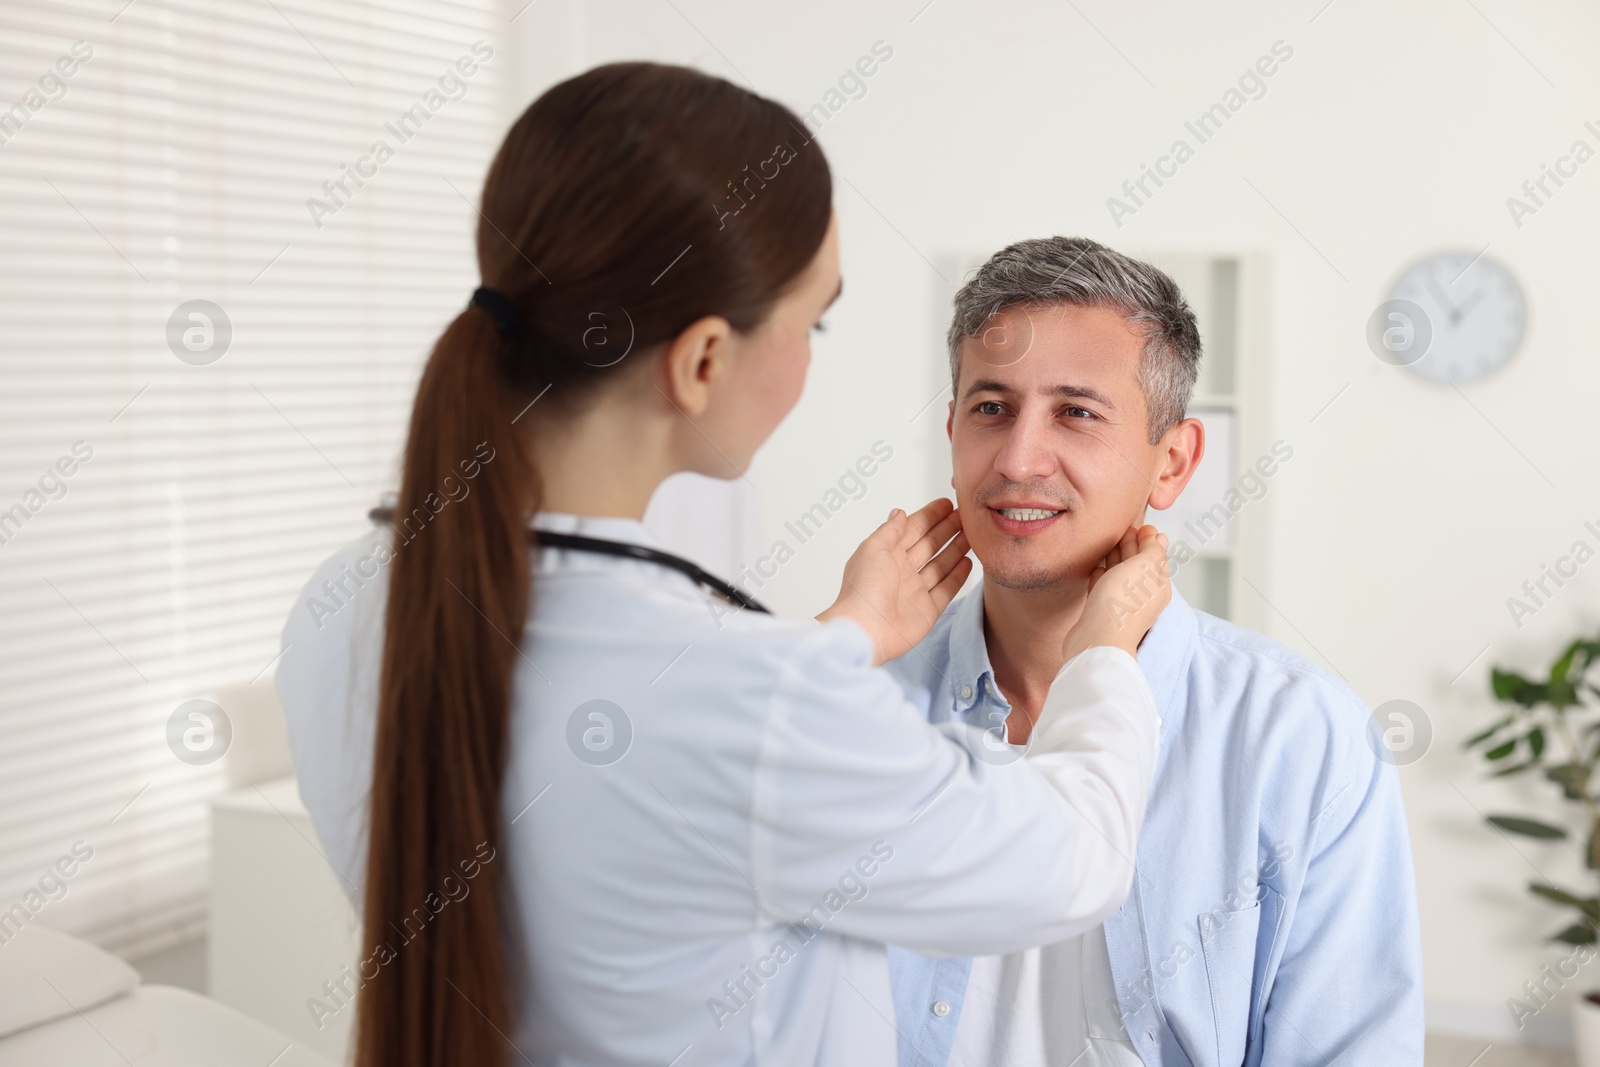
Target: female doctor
590, 810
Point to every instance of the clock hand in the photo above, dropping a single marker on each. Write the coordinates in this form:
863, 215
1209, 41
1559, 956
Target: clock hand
1434, 285
1460, 312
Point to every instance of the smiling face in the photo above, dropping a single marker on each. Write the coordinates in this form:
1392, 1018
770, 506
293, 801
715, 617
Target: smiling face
1050, 443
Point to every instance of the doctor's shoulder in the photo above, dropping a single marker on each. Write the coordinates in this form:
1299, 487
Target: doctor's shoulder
332, 643
351, 582
327, 675
348, 584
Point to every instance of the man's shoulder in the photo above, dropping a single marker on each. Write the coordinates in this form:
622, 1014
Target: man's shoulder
1286, 744
1270, 677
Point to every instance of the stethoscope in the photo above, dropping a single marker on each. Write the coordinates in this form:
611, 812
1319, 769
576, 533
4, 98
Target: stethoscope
601, 546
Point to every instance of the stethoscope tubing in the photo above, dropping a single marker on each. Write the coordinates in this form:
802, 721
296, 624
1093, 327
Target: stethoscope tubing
601, 546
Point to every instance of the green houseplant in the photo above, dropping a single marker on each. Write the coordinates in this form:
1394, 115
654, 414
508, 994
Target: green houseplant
1552, 726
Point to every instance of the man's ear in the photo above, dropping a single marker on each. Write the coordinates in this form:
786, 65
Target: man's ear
1182, 446
950, 423
695, 363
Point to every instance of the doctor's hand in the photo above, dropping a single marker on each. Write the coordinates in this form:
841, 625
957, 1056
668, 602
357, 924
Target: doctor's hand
899, 580
1128, 589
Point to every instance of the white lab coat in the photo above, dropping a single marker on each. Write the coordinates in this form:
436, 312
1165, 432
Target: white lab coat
720, 891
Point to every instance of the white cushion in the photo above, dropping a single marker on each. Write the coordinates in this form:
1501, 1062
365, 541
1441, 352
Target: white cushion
156, 1026
45, 975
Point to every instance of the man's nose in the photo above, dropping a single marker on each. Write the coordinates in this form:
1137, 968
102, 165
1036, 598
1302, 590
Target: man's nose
1026, 454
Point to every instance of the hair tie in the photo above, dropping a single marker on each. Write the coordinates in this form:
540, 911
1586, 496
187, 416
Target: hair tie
500, 309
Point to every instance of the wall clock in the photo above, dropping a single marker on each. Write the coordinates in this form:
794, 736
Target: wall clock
1472, 322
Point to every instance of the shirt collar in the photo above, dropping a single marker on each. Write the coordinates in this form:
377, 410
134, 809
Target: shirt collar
970, 671
1164, 656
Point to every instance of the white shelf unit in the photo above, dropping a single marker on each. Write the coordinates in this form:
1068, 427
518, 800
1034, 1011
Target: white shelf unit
1222, 519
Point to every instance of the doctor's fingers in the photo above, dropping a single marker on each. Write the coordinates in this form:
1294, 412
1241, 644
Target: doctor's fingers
924, 521
930, 542
1124, 549
947, 588
939, 567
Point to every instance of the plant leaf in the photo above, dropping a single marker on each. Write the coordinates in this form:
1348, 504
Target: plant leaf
1515, 768
1516, 824
1509, 685
1563, 664
1590, 906
1576, 934
1478, 739
1536, 741
1501, 751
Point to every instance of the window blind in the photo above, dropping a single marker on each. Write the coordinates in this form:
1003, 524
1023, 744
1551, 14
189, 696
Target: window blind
229, 233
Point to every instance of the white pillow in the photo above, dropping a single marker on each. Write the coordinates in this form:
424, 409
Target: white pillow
37, 959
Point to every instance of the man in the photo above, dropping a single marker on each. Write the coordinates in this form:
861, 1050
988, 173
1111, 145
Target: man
1273, 916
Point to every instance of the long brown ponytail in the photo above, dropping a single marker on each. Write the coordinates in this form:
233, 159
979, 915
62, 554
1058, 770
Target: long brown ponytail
624, 204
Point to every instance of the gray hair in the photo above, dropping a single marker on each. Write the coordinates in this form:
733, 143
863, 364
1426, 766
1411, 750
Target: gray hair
1051, 271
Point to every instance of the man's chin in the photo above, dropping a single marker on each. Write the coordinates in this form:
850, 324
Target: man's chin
1022, 575
1052, 560
1023, 582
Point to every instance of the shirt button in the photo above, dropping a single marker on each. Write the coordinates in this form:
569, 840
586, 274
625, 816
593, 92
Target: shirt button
966, 692
941, 1008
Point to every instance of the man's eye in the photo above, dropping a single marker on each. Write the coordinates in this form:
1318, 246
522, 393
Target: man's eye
981, 408
1080, 413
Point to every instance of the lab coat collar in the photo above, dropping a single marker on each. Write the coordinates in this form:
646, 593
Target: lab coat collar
1164, 656
607, 527
612, 528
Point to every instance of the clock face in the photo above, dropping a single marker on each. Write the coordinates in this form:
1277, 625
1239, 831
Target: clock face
1474, 312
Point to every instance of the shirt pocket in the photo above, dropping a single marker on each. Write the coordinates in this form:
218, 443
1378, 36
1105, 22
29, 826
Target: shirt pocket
1228, 946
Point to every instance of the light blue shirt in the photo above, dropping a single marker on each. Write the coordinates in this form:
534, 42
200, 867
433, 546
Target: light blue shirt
1273, 919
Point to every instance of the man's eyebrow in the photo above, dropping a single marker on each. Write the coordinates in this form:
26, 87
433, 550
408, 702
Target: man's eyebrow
1066, 392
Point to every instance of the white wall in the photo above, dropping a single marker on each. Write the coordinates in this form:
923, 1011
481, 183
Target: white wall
1407, 517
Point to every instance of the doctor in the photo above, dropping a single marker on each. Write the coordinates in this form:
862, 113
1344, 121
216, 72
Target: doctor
590, 812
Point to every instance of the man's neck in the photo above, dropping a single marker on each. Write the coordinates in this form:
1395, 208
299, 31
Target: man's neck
1024, 630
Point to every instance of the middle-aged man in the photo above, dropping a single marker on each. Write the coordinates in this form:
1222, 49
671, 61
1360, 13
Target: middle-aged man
1273, 918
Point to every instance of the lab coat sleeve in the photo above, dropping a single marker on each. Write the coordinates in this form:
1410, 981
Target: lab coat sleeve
869, 822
